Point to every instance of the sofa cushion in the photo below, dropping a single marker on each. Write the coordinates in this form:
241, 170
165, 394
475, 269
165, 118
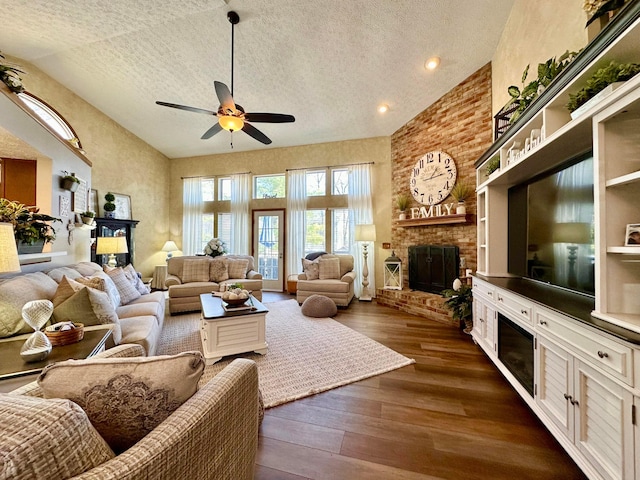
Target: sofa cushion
195, 270
47, 439
193, 289
237, 268
17, 291
127, 292
329, 268
311, 269
57, 273
87, 269
139, 309
323, 286
219, 270
319, 306
141, 330
101, 281
135, 280
125, 398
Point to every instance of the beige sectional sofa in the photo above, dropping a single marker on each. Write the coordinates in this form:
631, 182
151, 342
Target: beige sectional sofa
323, 277
138, 321
190, 276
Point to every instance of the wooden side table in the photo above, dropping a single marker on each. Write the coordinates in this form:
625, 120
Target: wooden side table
159, 276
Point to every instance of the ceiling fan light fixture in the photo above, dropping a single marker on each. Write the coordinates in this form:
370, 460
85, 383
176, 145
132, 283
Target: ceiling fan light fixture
230, 123
432, 63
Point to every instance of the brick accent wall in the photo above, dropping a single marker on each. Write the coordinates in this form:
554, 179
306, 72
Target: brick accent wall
459, 123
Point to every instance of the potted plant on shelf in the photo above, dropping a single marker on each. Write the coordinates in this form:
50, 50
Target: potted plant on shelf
493, 165
402, 202
109, 207
460, 302
32, 229
69, 181
10, 76
87, 217
460, 192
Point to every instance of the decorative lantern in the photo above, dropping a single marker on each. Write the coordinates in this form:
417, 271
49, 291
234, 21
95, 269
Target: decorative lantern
393, 272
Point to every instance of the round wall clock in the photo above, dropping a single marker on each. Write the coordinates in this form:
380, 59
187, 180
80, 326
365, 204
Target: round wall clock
433, 177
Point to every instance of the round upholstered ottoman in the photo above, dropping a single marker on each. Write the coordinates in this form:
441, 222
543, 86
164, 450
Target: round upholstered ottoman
319, 306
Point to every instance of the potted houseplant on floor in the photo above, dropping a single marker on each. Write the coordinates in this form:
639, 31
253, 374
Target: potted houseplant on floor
402, 202
109, 207
69, 181
460, 302
32, 229
460, 192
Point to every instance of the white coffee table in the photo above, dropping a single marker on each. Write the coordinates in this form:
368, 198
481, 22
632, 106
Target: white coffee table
231, 332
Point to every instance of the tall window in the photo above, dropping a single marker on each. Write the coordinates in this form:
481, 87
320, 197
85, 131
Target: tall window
314, 240
224, 229
208, 186
224, 188
340, 232
207, 230
268, 186
340, 181
316, 183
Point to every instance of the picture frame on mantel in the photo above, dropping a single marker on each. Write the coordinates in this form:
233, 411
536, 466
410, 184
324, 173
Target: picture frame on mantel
633, 235
123, 206
93, 201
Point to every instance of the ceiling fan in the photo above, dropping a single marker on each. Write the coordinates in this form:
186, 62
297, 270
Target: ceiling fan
231, 116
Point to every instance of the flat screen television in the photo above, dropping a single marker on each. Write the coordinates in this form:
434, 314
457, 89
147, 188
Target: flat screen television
551, 227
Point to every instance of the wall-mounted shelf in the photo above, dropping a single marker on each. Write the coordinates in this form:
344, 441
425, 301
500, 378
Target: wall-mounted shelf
440, 220
31, 258
85, 226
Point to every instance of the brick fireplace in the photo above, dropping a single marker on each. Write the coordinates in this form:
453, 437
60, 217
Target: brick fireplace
460, 124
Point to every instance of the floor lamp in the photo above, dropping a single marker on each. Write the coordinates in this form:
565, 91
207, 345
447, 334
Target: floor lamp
365, 233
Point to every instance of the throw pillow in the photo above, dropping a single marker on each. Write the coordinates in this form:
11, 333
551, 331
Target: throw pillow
100, 283
311, 269
329, 268
135, 280
125, 398
219, 270
195, 270
238, 268
127, 292
47, 439
89, 307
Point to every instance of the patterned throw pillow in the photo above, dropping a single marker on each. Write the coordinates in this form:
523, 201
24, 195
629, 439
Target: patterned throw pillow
102, 282
311, 269
47, 439
135, 280
238, 268
128, 292
329, 268
87, 306
195, 270
125, 398
219, 270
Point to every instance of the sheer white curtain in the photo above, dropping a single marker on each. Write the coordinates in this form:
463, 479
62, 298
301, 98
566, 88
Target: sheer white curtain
192, 208
240, 197
361, 212
296, 207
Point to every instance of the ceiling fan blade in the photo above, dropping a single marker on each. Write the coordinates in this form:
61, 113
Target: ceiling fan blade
212, 131
255, 133
185, 107
269, 117
226, 100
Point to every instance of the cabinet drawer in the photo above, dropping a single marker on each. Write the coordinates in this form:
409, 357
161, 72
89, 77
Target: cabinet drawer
516, 306
484, 289
603, 352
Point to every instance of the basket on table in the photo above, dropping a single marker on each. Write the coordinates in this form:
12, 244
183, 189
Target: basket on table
65, 337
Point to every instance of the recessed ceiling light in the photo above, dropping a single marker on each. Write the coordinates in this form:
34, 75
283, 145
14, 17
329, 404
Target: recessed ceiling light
383, 108
432, 63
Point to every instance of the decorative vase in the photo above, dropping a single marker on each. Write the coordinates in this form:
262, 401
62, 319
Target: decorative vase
36, 247
402, 216
461, 209
110, 214
87, 220
68, 184
468, 325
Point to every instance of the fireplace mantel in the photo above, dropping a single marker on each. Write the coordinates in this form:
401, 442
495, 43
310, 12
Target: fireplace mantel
438, 220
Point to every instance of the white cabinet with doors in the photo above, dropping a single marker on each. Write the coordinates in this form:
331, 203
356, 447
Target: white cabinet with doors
484, 317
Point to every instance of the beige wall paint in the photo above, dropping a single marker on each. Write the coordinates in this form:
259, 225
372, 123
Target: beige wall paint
122, 163
535, 32
277, 160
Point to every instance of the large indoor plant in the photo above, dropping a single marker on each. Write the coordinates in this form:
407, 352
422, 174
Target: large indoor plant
32, 229
460, 302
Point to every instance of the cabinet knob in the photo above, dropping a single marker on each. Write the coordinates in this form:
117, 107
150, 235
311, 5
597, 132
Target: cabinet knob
574, 402
523, 312
499, 298
567, 397
542, 322
602, 354
490, 294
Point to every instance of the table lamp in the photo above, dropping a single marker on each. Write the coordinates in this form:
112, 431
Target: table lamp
170, 247
9, 261
365, 233
574, 234
111, 246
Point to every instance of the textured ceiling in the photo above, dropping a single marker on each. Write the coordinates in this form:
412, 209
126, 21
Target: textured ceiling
327, 62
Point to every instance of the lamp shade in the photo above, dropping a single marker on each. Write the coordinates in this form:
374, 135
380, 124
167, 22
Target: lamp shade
572, 232
9, 261
365, 233
170, 246
108, 245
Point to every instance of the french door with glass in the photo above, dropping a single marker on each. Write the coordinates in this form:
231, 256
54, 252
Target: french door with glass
268, 247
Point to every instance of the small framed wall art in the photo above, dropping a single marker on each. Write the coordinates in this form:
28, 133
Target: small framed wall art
123, 206
633, 235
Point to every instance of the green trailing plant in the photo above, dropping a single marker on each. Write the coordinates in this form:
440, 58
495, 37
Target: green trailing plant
459, 301
10, 76
547, 72
493, 165
109, 206
461, 191
614, 72
403, 201
29, 226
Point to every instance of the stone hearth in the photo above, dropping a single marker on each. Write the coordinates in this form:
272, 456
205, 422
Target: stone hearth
424, 304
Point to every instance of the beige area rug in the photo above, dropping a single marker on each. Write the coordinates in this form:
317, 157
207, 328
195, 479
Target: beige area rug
305, 355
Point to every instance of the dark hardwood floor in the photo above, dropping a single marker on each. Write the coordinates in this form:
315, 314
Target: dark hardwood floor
450, 415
